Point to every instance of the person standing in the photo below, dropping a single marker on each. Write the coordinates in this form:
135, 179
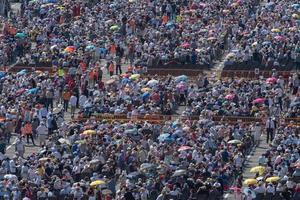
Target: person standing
42, 132
27, 131
118, 65
66, 97
73, 103
111, 68
20, 147
256, 131
270, 127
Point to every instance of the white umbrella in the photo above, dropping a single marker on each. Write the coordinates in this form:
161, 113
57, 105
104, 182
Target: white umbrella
11, 177
152, 82
179, 172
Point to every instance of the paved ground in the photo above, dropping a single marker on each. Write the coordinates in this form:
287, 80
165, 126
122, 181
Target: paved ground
252, 161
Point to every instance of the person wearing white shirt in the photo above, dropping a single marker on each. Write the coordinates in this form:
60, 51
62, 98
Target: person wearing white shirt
42, 132
82, 100
73, 103
12, 167
270, 126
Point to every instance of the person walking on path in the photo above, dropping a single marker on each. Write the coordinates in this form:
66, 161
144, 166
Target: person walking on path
66, 97
270, 126
73, 103
27, 131
42, 132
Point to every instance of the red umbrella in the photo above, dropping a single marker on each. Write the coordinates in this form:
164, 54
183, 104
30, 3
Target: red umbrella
259, 100
184, 148
20, 91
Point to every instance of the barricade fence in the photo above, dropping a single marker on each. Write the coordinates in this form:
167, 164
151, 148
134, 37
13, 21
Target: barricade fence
164, 118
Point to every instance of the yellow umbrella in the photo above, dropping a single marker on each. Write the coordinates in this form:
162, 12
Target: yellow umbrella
135, 76
250, 181
259, 169
272, 179
275, 30
146, 89
89, 132
98, 182
296, 16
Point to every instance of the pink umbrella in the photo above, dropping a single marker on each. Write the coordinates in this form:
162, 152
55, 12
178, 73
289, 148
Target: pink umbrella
20, 91
271, 80
279, 38
259, 100
229, 96
184, 148
185, 45
181, 86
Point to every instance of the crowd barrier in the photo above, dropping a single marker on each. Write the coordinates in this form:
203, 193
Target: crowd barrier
252, 74
158, 119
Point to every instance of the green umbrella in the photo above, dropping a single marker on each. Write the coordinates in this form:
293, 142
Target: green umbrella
298, 50
114, 28
20, 35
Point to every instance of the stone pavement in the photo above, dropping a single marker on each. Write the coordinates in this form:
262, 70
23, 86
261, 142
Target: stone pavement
251, 161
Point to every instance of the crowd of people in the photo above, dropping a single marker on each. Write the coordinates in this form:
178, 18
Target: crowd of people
268, 39
147, 33
140, 156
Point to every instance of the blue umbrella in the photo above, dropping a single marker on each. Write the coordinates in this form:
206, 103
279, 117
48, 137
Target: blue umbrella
146, 95
125, 81
266, 43
170, 25
2, 74
296, 6
166, 137
22, 72
298, 21
32, 91
20, 35
181, 78
90, 48
247, 190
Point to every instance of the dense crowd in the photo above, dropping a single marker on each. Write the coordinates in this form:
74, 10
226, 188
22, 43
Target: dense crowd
269, 38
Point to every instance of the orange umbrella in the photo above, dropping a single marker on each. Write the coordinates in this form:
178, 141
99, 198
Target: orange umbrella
70, 49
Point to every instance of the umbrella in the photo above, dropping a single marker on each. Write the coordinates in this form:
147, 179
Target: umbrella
211, 38
152, 82
114, 28
226, 11
259, 100
229, 96
230, 55
80, 142
184, 148
44, 159
146, 89
266, 43
32, 91
135, 76
185, 45
64, 141
181, 86
271, 80
20, 35
275, 30
272, 179
235, 189
247, 191
234, 142
181, 78
107, 191
146, 95
110, 81
279, 38
295, 6
147, 166
20, 91
57, 110
258, 169
89, 132
165, 137
95, 161
90, 48
298, 50
295, 16
179, 172
22, 72
11, 177
250, 181
96, 183
70, 49
2, 74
